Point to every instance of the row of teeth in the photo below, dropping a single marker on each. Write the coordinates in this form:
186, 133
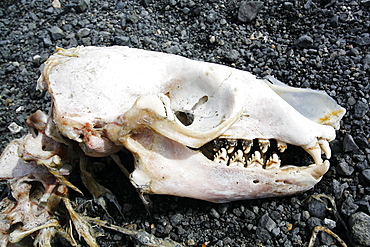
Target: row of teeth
232, 155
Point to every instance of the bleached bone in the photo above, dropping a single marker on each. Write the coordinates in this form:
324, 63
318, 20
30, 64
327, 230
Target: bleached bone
166, 109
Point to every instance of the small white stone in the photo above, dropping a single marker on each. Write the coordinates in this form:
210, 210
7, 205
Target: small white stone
331, 224
14, 128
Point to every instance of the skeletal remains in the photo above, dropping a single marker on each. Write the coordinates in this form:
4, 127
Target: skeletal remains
195, 129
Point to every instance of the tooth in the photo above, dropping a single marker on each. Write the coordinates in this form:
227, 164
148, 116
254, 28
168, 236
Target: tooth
273, 162
255, 160
221, 156
324, 145
230, 146
264, 145
247, 145
318, 171
237, 159
314, 150
282, 146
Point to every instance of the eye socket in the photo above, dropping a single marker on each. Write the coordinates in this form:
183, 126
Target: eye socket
184, 117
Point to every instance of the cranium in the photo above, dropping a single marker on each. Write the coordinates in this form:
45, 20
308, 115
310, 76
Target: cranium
195, 129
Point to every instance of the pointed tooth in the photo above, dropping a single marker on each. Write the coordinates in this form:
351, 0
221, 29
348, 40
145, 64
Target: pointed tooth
314, 150
324, 145
247, 145
238, 157
255, 160
273, 162
282, 146
318, 171
264, 145
221, 156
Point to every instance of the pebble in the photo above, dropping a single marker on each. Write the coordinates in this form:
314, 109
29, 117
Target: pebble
248, 10
359, 224
56, 33
348, 206
304, 41
344, 169
349, 144
267, 223
316, 208
366, 174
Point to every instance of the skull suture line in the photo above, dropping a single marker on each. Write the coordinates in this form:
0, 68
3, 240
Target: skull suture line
196, 129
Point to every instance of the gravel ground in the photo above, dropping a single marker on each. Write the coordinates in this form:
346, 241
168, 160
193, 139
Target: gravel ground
317, 44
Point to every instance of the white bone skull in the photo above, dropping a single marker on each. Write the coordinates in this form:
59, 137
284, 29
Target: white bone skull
195, 129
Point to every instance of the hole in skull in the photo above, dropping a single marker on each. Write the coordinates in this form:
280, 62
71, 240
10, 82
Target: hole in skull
256, 181
185, 118
37, 191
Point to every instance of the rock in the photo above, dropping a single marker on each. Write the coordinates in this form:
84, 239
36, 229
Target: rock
353, 52
349, 206
366, 174
344, 169
176, 219
212, 17
214, 213
304, 41
316, 208
359, 226
309, 5
361, 109
82, 6
338, 188
14, 128
263, 234
249, 10
121, 5
56, 33
334, 21
266, 222
122, 40
362, 142
363, 39
349, 144
83, 32
232, 56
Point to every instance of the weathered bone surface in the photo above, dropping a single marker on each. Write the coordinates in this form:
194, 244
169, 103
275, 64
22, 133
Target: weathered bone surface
167, 109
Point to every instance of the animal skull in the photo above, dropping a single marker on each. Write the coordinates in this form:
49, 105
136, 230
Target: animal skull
195, 129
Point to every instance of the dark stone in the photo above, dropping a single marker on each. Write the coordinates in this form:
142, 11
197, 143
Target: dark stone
316, 208
365, 59
133, 18
212, 17
361, 142
82, 6
267, 223
366, 174
122, 40
338, 188
176, 219
56, 33
304, 41
359, 226
214, 213
121, 5
313, 222
363, 39
83, 32
309, 5
349, 144
349, 206
361, 109
232, 56
353, 52
344, 169
263, 234
334, 22
249, 10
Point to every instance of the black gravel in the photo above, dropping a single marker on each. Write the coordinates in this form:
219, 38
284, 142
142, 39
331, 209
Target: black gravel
317, 44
